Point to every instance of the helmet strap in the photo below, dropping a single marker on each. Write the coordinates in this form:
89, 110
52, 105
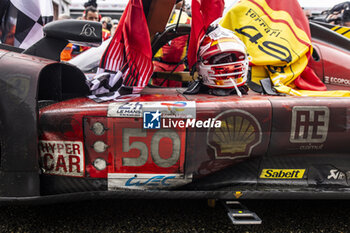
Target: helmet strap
235, 85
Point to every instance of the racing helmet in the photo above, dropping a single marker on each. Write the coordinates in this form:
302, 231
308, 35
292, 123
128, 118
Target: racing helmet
222, 60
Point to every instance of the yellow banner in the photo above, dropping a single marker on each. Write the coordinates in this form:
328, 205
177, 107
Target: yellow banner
269, 39
273, 42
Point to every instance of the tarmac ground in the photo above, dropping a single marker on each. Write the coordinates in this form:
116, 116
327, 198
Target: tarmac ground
124, 215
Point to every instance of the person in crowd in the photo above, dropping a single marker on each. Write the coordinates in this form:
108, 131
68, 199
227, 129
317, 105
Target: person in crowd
66, 54
63, 16
90, 3
114, 26
91, 14
115, 22
106, 27
106, 23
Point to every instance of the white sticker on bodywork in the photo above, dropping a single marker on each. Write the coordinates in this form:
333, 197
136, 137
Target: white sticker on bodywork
168, 109
146, 181
64, 158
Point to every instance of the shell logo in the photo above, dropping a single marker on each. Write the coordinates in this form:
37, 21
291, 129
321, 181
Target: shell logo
240, 132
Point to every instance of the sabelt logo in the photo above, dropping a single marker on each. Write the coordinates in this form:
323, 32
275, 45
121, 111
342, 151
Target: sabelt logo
282, 173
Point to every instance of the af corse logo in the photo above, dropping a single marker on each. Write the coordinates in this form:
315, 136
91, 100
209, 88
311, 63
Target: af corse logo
151, 120
309, 124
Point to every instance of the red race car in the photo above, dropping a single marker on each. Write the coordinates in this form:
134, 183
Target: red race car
57, 144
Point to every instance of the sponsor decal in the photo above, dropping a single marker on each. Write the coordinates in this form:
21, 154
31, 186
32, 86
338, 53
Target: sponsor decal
130, 109
239, 133
146, 181
88, 30
159, 180
151, 120
282, 173
265, 27
311, 147
337, 81
177, 106
309, 124
167, 109
335, 174
62, 158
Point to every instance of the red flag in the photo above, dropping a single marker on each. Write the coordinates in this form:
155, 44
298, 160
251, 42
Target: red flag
294, 9
130, 48
308, 80
204, 12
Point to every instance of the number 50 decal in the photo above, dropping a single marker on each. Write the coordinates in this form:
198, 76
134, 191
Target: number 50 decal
154, 148
135, 150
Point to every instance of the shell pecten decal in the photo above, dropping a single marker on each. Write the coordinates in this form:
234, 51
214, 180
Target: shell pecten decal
240, 132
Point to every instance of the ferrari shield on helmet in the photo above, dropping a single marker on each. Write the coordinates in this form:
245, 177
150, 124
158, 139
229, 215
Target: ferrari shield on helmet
222, 60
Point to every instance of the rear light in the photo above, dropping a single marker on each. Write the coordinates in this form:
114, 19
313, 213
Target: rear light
98, 128
100, 146
100, 164
96, 145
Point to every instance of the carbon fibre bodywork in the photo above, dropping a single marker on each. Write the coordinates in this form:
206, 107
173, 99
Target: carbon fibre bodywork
19, 104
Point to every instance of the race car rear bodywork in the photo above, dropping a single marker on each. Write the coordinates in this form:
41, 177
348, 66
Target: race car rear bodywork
57, 143
204, 143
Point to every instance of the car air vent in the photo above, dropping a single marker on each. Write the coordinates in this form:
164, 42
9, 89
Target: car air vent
315, 55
